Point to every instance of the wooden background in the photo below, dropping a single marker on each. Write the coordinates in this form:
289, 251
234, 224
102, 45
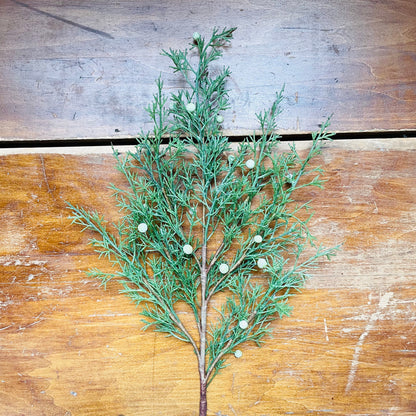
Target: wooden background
72, 69
75, 70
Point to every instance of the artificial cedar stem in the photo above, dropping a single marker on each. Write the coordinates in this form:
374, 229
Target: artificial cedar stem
168, 207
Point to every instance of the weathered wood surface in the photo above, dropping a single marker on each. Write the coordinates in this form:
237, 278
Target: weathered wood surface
67, 347
87, 69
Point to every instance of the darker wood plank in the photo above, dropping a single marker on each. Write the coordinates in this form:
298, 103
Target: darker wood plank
87, 70
69, 347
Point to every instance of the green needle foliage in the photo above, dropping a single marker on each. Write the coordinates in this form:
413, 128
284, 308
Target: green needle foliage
199, 218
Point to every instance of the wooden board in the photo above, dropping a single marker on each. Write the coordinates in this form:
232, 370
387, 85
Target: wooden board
67, 347
78, 70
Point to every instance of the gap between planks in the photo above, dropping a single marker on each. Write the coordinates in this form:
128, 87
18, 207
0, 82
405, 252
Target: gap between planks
380, 144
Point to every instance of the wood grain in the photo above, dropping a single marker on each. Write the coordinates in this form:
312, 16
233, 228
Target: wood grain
67, 347
83, 70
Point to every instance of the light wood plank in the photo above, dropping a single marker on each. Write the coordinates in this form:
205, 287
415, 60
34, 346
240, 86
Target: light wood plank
87, 70
67, 347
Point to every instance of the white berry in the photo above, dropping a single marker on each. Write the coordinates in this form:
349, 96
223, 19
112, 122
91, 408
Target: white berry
250, 164
258, 239
224, 268
187, 249
190, 107
261, 263
196, 36
243, 324
220, 119
238, 354
142, 227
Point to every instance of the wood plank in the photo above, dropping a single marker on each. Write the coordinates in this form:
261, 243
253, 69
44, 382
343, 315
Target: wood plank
69, 347
87, 70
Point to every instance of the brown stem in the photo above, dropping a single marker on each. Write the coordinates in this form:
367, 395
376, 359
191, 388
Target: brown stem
203, 398
203, 329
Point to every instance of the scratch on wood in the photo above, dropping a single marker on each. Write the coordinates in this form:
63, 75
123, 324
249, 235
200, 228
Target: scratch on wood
232, 409
44, 174
326, 331
384, 301
22, 328
39, 318
18, 262
5, 327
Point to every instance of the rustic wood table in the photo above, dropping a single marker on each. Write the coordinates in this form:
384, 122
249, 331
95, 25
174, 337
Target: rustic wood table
81, 74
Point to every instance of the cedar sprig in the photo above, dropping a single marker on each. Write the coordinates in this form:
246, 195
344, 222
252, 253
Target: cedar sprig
203, 224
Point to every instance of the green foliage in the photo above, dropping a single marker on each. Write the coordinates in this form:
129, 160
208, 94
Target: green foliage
234, 210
